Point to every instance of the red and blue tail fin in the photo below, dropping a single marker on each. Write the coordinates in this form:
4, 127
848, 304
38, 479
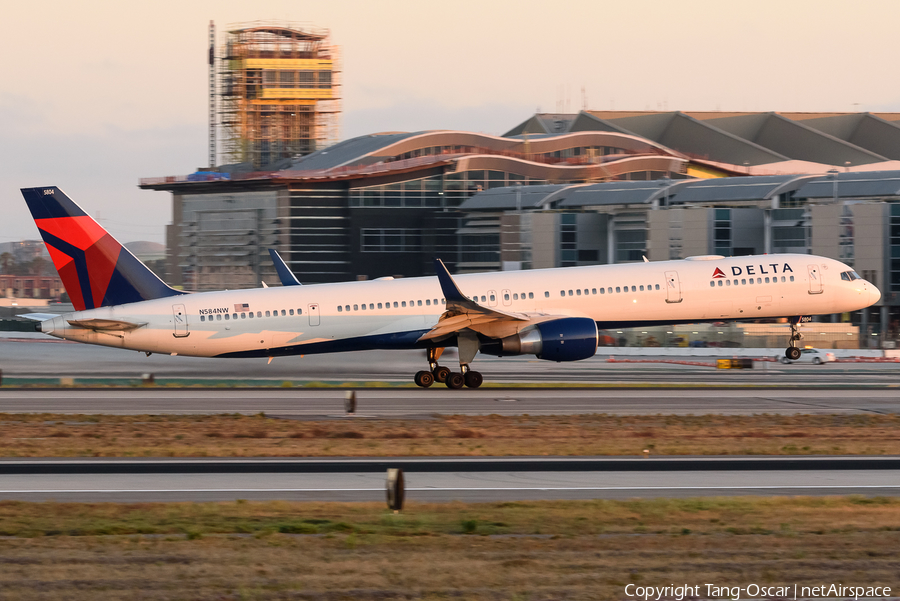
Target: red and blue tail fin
96, 270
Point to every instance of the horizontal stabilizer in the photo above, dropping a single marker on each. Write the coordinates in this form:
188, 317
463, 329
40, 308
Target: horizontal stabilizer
105, 324
38, 316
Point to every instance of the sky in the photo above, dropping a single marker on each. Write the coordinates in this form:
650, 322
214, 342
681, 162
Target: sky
97, 94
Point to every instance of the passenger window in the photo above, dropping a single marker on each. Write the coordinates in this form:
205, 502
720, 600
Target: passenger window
578, 292
728, 282
282, 312
355, 307
379, 305
259, 313
363, 306
291, 312
347, 308
642, 288
493, 298
759, 280
299, 311
371, 306
782, 279
767, 280
750, 281
515, 296
792, 278
219, 317
202, 318
562, 292
531, 295
720, 283
546, 294
243, 316
602, 290
585, 291
268, 314
712, 283
443, 301
340, 309
403, 304
427, 302
226, 316
618, 289
593, 291
435, 301
657, 286
743, 281
570, 293
483, 299
419, 303
395, 304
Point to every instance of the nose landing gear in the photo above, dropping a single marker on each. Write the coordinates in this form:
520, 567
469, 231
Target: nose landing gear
792, 352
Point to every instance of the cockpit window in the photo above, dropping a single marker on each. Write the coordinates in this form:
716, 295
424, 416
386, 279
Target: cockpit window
849, 276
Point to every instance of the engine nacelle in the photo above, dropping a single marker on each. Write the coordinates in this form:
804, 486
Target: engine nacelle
564, 339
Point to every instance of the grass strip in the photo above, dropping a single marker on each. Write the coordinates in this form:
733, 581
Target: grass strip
236, 435
523, 551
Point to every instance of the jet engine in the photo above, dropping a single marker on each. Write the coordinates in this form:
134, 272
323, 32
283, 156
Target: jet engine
565, 339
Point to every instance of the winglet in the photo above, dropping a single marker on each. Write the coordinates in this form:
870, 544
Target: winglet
285, 274
448, 286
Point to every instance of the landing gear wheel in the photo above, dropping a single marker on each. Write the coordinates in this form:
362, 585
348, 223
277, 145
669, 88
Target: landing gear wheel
455, 381
792, 353
440, 373
424, 379
473, 379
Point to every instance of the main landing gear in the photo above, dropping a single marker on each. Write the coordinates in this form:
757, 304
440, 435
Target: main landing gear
792, 352
440, 373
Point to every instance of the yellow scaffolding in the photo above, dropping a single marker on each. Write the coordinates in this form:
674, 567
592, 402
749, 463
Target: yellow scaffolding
280, 90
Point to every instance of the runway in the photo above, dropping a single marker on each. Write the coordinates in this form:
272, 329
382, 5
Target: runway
327, 403
618, 482
45, 360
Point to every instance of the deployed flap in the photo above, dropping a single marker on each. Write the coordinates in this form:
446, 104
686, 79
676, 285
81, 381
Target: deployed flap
105, 324
285, 274
462, 312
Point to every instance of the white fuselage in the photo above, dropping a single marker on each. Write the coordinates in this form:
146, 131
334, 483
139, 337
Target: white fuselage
395, 313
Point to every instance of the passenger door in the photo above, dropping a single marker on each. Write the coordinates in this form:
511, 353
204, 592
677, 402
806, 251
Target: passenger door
673, 287
507, 297
815, 279
179, 318
313, 310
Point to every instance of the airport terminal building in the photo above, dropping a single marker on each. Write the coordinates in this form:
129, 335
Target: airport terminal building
557, 190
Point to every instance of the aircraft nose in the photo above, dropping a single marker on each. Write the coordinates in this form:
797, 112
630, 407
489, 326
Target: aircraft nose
874, 294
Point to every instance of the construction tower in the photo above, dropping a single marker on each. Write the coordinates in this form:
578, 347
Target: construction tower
280, 90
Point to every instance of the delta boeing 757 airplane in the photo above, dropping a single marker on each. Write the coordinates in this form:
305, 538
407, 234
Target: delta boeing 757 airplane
553, 314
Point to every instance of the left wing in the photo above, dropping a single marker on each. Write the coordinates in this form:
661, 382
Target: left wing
463, 313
